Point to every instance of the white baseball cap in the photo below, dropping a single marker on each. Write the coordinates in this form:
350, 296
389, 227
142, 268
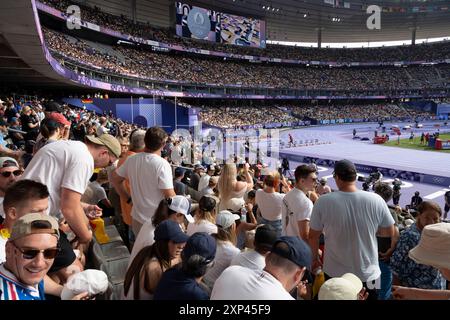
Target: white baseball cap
181, 204
346, 287
235, 204
225, 219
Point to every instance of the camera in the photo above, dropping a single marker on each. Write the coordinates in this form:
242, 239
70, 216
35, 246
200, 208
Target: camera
396, 185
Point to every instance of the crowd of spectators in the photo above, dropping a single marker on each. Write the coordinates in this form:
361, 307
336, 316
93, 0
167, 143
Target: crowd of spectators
423, 52
368, 112
22, 121
149, 65
201, 240
231, 117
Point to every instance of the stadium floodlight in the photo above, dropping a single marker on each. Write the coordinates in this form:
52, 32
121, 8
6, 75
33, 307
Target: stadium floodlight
264, 7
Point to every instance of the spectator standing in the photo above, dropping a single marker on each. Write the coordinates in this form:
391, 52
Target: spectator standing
137, 144
297, 207
270, 202
65, 167
322, 187
150, 177
350, 219
386, 245
447, 204
229, 187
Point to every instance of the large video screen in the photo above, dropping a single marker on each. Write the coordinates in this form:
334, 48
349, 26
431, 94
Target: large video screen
199, 23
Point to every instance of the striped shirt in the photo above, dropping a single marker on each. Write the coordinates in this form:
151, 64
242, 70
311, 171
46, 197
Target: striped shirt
12, 289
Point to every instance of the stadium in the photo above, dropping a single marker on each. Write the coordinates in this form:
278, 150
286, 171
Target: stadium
185, 150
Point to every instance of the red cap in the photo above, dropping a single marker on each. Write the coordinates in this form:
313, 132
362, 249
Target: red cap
58, 117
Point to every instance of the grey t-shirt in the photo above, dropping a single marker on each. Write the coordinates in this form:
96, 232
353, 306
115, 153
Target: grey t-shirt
349, 221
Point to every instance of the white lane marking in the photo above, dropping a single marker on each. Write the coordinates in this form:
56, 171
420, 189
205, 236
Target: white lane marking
436, 194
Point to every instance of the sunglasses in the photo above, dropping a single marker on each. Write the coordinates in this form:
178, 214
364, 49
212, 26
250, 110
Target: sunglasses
32, 253
7, 174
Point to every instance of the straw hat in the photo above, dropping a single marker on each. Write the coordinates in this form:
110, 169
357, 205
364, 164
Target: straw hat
434, 246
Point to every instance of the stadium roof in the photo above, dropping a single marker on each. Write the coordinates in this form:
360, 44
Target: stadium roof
341, 20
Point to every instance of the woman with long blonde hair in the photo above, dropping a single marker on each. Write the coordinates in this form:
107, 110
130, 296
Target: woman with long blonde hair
229, 187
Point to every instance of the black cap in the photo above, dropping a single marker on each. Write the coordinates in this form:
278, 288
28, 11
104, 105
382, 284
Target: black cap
345, 170
265, 236
53, 106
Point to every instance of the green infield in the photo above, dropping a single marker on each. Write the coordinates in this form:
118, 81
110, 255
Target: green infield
415, 143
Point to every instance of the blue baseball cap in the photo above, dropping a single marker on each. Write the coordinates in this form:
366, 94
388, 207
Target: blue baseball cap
202, 244
170, 230
179, 171
297, 251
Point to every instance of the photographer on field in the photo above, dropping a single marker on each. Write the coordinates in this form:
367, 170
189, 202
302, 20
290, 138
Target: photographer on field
396, 187
375, 177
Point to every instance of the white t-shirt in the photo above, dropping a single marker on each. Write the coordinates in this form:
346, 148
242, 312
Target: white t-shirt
61, 164
240, 283
207, 191
201, 226
249, 259
175, 155
2, 249
149, 174
296, 207
203, 182
2, 211
102, 130
144, 238
226, 251
94, 193
269, 204
350, 221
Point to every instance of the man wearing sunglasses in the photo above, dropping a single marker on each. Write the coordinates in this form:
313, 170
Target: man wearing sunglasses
9, 173
30, 251
28, 196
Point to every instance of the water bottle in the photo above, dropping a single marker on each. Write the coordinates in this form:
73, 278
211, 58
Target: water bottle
244, 215
319, 279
